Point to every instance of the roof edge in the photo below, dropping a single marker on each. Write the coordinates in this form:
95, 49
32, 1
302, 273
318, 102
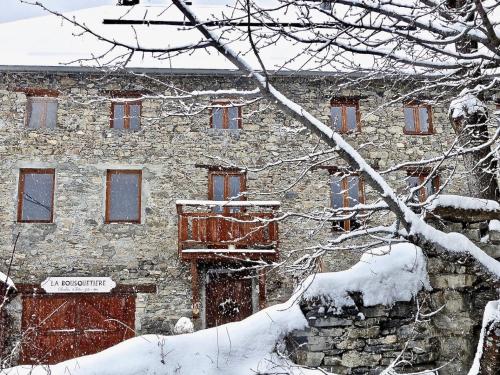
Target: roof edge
170, 71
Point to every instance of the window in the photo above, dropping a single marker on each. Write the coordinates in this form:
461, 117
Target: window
126, 114
223, 115
418, 118
123, 196
41, 112
36, 196
345, 115
225, 186
347, 191
431, 187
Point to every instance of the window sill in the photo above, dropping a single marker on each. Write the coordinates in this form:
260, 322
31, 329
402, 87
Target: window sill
417, 133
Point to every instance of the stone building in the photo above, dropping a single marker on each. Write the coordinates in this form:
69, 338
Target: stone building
107, 189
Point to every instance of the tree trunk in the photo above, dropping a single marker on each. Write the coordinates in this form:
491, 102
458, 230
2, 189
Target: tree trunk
480, 169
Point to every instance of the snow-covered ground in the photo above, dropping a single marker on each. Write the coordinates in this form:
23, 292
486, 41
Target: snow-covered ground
384, 275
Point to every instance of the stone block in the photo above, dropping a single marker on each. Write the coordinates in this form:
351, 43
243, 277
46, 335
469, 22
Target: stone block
363, 332
350, 344
358, 359
375, 311
330, 322
310, 359
452, 281
332, 361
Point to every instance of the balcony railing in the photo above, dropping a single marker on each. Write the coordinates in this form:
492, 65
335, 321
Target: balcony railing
234, 229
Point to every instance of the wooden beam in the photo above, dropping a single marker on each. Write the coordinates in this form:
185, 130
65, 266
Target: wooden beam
262, 289
195, 289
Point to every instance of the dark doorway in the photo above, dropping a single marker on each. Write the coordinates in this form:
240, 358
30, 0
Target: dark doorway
228, 297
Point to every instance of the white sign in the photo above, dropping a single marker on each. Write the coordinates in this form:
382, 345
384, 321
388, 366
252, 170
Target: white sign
78, 284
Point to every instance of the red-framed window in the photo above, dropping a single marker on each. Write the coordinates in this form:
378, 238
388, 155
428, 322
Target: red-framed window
225, 115
345, 115
36, 196
226, 185
41, 112
126, 114
123, 196
415, 179
347, 191
418, 118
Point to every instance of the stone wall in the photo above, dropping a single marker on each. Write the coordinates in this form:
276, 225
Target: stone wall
169, 148
438, 329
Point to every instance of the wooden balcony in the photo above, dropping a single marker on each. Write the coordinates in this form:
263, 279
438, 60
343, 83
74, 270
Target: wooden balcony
227, 229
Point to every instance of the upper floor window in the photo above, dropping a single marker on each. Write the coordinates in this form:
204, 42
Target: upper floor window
126, 114
345, 115
430, 187
41, 112
224, 115
226, 185
347, 191
123, 196
36, 196
418, 118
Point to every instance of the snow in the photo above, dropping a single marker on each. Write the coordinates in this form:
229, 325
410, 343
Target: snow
465, 105
464, 203
236, 348
183, 325
491, 314
494, 225
383, 275
7, 280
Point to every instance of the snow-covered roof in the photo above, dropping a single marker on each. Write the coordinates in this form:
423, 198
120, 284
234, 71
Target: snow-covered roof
51, 41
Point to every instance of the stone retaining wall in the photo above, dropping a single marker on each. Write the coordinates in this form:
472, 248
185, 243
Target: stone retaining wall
437, 329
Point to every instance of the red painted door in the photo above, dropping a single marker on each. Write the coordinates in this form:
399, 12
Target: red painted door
228, 298
60, 327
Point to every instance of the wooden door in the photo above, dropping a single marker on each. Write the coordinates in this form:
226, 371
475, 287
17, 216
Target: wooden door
228, 297
60, 327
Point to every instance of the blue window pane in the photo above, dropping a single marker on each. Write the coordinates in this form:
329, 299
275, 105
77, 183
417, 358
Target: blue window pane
409, 119
353, 184
35, 113
235, 189
233, 113
217, 118
336, 115
119, 114
124, 197
218, 190
37, 197
424, 119
51, 114
351, 118
337, 194
135, 116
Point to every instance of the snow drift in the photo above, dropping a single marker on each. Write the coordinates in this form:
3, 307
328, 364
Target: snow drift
383, 275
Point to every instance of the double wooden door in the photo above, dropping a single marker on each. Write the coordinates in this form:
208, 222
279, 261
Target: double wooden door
228, 297
59, 327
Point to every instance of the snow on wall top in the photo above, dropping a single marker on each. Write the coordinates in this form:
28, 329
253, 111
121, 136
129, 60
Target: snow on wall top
464, 203
383, 275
